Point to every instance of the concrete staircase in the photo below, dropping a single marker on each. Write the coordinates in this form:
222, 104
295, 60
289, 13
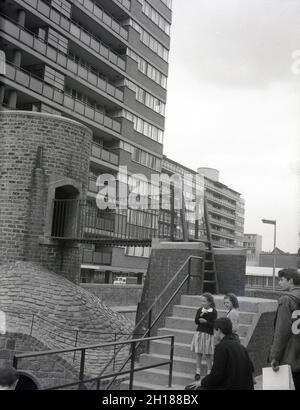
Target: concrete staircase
181, 324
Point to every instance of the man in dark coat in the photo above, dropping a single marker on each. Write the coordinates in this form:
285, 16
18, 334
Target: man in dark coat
232, 368
285, 347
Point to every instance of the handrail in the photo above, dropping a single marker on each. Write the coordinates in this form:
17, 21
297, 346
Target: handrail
83, 349
148, 313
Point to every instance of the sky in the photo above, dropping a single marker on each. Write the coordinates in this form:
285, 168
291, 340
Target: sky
234, 104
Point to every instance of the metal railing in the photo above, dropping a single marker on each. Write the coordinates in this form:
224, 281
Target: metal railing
80, 219
82, 349
155, 311
50, 332
37, 85
104, 155
72, 28
103, 16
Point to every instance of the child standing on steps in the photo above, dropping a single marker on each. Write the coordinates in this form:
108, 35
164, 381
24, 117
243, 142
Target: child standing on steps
203, 339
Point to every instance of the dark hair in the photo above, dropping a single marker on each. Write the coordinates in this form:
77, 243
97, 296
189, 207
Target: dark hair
8, 376
233, 299
224, 324
290, 273
209, 298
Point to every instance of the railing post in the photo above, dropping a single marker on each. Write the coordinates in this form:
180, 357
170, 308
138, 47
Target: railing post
15, 362
81, 371
149, 329
114, 362
189, 275
32, 322
171, 361
132, 365
76, 339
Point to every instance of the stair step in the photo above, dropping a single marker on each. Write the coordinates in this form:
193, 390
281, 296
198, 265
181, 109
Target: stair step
138, 385
181, 336
161, 377
190, 312
180, 364
181, 323
163, 347
246, 304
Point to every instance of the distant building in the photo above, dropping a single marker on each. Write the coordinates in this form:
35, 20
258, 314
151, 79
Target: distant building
283, 259
225, 208
253, 244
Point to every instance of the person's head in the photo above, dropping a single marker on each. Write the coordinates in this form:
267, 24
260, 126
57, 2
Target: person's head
207, 300
222, 327
231, 301
288, 278
8, 378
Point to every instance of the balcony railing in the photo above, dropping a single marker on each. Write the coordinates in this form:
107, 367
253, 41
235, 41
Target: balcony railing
103, 16
72, 28
82, 220
104, 155
35, 43
101, 258
35, 84
220, 201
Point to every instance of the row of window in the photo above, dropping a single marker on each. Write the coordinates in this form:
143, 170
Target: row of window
148, 69
157, 18
143, 127
142, 157
84, 99
146, 98
150, 41
142, 218
138, 251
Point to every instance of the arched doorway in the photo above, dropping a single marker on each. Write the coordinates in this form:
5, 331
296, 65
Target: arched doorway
27, 382
64, 222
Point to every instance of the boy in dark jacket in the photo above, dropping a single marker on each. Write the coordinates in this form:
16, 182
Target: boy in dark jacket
232, 368
285, 347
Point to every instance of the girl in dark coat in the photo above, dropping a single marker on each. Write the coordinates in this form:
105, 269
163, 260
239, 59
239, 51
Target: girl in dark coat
203, 340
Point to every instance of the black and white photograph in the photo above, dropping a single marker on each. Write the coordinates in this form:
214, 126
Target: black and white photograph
149, 199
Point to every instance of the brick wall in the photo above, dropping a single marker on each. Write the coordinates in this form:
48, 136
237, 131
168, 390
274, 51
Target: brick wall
262, 293
260, 342
25, 180
49, 370
164, 262
231, 268
116, 295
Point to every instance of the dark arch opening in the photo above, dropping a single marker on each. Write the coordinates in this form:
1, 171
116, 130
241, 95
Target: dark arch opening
25, 382
64, 211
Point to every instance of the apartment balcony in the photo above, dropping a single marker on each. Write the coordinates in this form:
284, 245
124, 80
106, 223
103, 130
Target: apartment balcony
98, 258
74, 31
222, 202
221, 222
222, 234
22, 79
47, 52
107, 156
83, 221
224, 192
99, 14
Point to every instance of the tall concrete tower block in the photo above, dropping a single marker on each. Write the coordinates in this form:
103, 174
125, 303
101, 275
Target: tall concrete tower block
43, 158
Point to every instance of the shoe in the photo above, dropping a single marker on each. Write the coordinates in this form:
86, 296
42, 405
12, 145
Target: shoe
197, 377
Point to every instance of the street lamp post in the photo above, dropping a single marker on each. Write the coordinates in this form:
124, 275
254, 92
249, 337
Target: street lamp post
272, 222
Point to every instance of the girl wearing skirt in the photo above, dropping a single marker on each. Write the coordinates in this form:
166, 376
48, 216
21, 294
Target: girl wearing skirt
203, 339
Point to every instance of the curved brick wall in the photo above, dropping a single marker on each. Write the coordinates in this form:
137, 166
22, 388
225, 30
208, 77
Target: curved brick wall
26, 178
60, 307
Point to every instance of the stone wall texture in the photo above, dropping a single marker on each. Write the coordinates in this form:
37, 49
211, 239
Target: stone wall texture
116, 295
36, 150
58, 314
